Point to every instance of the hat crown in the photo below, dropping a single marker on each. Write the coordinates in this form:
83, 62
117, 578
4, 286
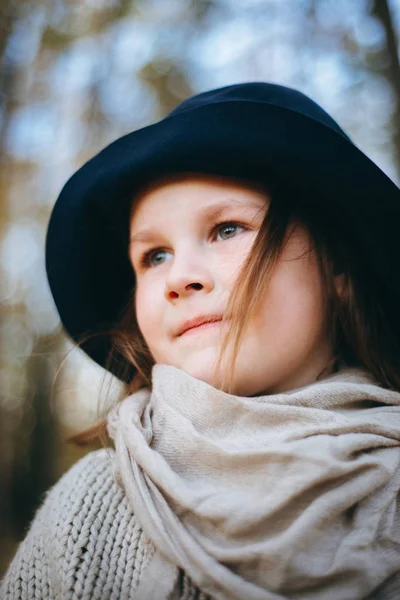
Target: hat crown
270, 94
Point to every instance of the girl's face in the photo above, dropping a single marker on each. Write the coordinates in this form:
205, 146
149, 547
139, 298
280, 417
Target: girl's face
189, 238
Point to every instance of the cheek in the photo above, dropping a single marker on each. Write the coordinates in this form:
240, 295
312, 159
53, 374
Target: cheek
301, 279
148, 312
293, 300
232, 256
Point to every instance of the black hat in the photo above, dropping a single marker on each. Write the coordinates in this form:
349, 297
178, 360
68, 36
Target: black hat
252, 130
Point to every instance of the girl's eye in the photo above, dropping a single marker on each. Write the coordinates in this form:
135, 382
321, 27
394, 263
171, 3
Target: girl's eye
154, 257
228, 230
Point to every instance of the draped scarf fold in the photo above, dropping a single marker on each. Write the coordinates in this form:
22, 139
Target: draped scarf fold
291, 495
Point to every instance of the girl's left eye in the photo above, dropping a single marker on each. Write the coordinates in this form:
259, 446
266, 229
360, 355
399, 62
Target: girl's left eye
230, 229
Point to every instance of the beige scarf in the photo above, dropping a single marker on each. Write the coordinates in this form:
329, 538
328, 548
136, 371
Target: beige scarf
292, 495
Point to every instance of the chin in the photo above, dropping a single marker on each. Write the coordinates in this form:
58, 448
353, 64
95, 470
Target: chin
201, 365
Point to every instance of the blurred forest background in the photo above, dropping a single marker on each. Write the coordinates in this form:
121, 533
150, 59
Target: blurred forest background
75, 75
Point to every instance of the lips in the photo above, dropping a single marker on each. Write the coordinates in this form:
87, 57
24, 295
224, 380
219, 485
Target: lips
197, 321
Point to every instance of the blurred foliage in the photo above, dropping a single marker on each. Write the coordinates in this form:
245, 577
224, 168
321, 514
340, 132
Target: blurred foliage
74, 76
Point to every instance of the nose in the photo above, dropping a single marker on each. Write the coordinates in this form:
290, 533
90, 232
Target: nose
188, 275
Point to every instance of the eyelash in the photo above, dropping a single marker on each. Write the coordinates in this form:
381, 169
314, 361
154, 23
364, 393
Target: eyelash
146, 258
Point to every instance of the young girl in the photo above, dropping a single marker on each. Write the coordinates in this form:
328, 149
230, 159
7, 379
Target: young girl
236, 264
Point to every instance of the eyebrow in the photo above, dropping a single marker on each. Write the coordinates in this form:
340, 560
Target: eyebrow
208, 212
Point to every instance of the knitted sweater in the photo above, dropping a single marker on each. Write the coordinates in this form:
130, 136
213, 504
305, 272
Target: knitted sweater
84, 542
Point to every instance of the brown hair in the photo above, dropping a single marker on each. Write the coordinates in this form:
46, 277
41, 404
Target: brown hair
360, 331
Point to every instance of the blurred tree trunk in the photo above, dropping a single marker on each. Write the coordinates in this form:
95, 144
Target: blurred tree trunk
35, 468
382, 11
8, 16
27, 435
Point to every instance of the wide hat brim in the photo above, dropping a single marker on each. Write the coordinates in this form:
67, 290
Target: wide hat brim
257, 131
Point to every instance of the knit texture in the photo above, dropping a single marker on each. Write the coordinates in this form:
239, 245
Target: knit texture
84, 542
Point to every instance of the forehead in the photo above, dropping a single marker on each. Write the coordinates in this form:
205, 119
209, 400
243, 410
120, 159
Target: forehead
194, 192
